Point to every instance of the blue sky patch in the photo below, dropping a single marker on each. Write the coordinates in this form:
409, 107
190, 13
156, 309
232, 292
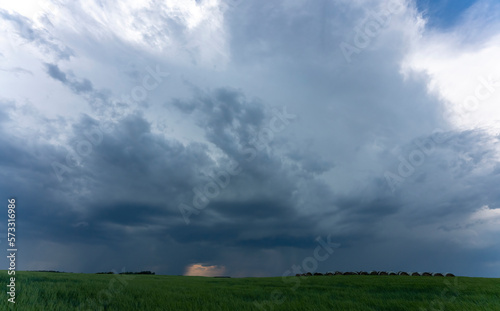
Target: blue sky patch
443, 13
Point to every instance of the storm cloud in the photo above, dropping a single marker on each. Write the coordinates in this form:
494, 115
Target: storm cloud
213, 137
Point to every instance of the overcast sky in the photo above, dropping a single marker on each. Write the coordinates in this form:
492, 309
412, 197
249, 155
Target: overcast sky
236, 137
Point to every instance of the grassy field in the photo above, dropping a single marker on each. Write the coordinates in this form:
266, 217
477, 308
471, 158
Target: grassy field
68, 291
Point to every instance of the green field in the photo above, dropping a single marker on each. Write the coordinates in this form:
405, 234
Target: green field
72, 291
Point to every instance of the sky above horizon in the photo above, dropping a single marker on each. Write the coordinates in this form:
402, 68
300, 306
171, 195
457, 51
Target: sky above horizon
252, 138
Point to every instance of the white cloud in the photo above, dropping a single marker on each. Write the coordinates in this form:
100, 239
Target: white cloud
487, 215
179, 31
463, 69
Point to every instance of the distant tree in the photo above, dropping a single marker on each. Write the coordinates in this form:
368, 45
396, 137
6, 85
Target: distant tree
142, 272
146, 272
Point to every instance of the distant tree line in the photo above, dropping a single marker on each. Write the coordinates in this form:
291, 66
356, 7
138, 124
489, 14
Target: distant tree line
142, 272
378, 273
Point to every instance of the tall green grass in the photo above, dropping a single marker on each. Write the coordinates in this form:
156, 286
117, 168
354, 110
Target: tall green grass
68, 291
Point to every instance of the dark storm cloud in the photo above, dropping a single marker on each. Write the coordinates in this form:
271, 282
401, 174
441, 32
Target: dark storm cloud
254, 223
127, 213
367, 210
229, 119
279, 241
127, 149
252, 210
355, 217
321, 175
310, 162
143, 159
137, 179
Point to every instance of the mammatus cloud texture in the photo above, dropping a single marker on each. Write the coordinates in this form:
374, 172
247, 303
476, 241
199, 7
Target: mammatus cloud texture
223, 137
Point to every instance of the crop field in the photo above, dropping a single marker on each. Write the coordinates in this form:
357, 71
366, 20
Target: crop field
72, 291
